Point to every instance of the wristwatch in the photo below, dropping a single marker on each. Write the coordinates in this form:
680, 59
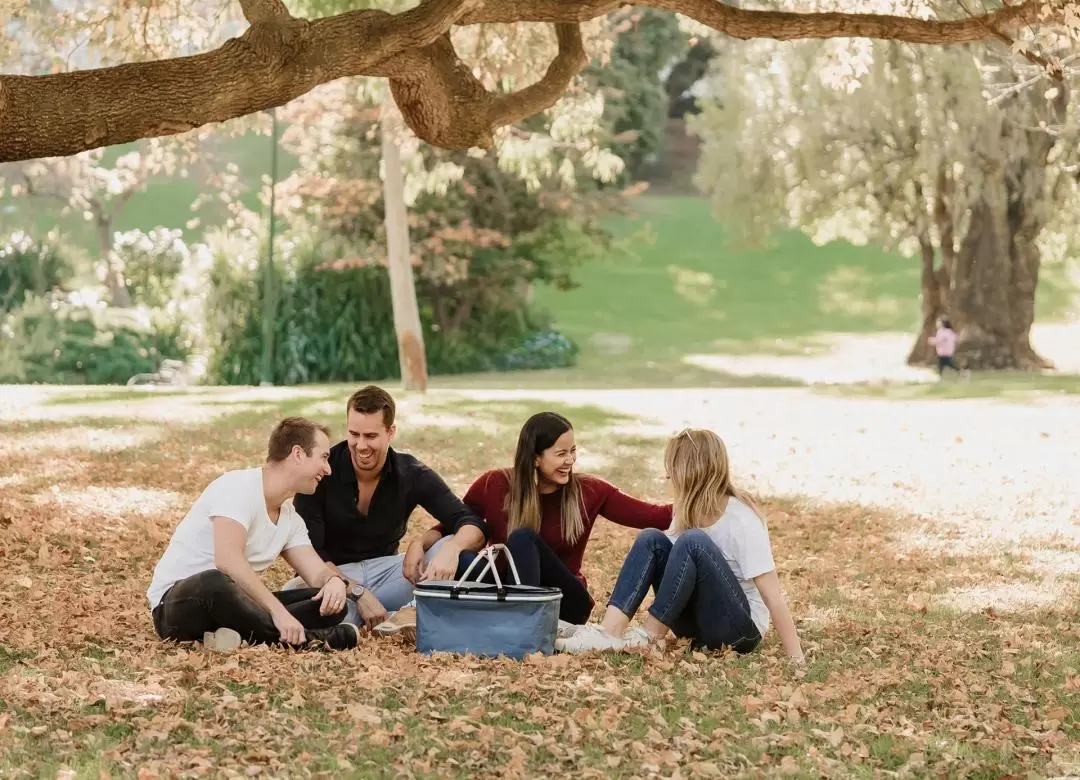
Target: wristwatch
356, 590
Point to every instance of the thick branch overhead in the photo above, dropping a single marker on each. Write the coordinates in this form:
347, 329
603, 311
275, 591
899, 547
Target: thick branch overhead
281, 57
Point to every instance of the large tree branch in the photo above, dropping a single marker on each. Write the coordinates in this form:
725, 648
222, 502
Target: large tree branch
264, 10
446, 105
281, 57
568, 63
277, 59
778, 25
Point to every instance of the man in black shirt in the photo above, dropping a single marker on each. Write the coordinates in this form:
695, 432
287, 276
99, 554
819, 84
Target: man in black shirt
359, 513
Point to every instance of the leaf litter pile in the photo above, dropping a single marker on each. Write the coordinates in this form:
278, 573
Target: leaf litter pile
896, 685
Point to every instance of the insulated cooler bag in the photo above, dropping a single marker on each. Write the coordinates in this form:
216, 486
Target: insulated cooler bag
512, 620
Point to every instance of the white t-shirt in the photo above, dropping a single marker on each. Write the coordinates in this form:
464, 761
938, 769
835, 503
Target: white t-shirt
743, 540
237, 495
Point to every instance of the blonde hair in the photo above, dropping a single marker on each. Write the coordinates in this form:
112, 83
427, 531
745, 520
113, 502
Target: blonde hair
522, 504
696, 462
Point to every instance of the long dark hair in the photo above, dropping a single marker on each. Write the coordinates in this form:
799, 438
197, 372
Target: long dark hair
522, 506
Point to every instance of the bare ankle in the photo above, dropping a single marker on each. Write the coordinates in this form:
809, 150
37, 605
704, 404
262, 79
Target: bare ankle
615, 622
654, 628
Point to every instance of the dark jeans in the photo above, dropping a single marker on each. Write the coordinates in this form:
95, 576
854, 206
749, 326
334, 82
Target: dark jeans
944, 361
697, 594
211, 600
537, 564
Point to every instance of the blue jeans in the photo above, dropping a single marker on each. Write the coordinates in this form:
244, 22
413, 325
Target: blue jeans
384, 577
697, 594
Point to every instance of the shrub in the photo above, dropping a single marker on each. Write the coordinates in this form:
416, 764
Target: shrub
52, 340
28, 267
334, 322
545, 349
152, 262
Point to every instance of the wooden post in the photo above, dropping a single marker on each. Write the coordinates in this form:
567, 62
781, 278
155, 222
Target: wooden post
410, 335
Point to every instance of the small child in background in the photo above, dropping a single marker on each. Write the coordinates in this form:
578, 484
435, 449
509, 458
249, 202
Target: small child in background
944, 342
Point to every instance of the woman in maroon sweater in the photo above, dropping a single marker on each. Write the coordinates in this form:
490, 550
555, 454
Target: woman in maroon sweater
544, 512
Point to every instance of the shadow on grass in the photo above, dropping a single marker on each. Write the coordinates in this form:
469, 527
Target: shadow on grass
1014, 386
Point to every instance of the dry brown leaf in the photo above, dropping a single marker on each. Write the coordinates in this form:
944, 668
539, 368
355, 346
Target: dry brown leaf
363, 713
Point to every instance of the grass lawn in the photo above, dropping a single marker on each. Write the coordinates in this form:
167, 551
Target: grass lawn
897, 685
676, 288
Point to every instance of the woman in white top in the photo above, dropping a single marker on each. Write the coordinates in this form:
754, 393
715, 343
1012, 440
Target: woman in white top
712, 571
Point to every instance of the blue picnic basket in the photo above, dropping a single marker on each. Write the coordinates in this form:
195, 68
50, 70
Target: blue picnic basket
486, 619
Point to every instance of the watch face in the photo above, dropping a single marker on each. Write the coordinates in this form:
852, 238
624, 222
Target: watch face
357, 590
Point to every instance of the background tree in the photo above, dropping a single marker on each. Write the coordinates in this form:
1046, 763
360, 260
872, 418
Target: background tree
501, 54
900, 146
97, 189
636, 103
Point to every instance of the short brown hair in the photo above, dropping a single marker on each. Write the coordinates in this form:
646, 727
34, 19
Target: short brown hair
371, 399
289, 433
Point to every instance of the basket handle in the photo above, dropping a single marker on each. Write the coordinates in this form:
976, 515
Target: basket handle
488, 554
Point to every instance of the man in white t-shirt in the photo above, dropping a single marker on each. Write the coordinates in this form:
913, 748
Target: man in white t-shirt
207, 586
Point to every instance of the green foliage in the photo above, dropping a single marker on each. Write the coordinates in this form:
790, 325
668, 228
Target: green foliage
335, 323
547, 349
152, 261
50, 340
636, 101
28, 267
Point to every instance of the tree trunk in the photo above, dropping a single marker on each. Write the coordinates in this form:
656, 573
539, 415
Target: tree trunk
410, 336
993, 305
936, 281
988, 286
119, 295
934, 298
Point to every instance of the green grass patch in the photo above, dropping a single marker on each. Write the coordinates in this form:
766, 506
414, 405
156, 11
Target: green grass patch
679, 287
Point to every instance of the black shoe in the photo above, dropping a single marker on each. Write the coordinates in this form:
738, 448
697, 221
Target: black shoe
343, 636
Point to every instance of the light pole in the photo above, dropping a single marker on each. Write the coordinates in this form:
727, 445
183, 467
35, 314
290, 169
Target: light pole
269, 308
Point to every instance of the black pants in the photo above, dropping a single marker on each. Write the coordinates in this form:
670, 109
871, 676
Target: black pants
946, 361
537, 564
211, 600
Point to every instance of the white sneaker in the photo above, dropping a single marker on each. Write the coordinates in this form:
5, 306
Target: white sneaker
224, 640
401, 622
592, 637
566, 630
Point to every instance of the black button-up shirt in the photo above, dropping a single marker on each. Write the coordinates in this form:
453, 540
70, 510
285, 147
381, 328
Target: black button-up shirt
340, 534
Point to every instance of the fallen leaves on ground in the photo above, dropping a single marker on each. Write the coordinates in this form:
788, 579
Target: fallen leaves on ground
896, 684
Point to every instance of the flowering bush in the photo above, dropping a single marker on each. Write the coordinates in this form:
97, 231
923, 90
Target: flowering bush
545, 349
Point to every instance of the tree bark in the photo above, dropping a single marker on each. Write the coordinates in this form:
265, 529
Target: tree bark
115, 283
281, 57
933, 304
407, 325
936, 278
987, 287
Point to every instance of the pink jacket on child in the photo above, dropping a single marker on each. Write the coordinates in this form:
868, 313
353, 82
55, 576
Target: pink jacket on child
944, 342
